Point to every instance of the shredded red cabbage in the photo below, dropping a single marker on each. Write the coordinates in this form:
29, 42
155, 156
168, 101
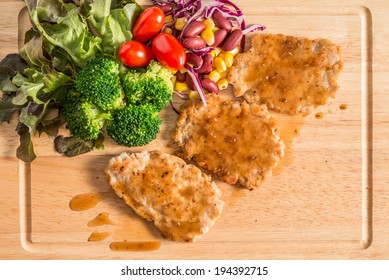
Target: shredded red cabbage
180, 95
195, 78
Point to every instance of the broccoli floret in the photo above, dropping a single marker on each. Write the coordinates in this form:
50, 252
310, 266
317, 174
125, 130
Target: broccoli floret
99, 83
134, 126
152, 87
84, 119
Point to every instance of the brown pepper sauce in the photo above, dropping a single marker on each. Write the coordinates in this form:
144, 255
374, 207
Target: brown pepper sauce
83, 202
135, 246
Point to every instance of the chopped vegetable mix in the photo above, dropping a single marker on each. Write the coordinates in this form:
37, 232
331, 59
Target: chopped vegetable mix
212, 33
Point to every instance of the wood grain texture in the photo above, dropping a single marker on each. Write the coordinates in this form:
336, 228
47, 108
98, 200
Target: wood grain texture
329, 200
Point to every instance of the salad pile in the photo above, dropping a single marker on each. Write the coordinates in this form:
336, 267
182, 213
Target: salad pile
106, 68
212, 33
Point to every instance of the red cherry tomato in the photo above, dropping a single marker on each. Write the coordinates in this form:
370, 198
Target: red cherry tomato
148, 24
168, 51
135, 54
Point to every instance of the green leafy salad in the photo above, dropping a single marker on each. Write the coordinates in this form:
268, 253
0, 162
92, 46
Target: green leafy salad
68, 72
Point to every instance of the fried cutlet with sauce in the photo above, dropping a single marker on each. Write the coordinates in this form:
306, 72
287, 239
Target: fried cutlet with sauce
237, 141
182, 201
289, 74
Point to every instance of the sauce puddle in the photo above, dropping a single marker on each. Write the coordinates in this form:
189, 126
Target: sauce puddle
100, 220
319, 115
98, 236
82, 202
343, 107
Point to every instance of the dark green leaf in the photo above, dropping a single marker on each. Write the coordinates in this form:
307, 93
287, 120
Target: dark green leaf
9, 66
25, 151
15, 62
7, 108
71, 147
51, 126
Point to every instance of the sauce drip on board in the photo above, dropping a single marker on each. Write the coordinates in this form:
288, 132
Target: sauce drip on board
288, 127
98, 236
343, 107
319, 115
83, 202
100, 220
135, 246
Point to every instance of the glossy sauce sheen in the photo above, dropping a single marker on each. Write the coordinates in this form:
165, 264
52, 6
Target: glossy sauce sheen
288, 128
85, 201
319, 115
235, 140
100, 220
287, 73
135, 246
97, 236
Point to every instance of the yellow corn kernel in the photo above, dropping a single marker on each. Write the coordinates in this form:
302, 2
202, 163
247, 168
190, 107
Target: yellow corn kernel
222, 84
228, 58
235, 51
179, 86
219, 64
168, 30
169, 19
180, 22
208, 36
209, 23
223, 74
218, 51
182, 70
214, 76
194, 94
213, 53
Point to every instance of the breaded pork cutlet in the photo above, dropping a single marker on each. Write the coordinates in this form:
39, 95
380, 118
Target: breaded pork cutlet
182, 202
289, 74
237, 141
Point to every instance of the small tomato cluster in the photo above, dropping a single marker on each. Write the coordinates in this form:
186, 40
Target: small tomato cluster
164, 47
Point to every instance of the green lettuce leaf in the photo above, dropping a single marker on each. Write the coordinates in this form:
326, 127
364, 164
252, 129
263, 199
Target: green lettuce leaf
28, 87
65, 35
25, 150
50, 126
70, 33
113, 26
7, 107
70, 147
9, 66
32, 52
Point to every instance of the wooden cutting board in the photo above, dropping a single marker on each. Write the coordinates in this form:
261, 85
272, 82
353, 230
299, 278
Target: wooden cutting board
328, 200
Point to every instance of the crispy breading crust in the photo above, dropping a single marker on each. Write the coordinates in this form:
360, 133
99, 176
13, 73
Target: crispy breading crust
237, 141
182, 202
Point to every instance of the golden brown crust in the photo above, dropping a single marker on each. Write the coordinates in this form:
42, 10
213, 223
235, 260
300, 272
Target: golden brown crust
237, 141
289, 74
182, 202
